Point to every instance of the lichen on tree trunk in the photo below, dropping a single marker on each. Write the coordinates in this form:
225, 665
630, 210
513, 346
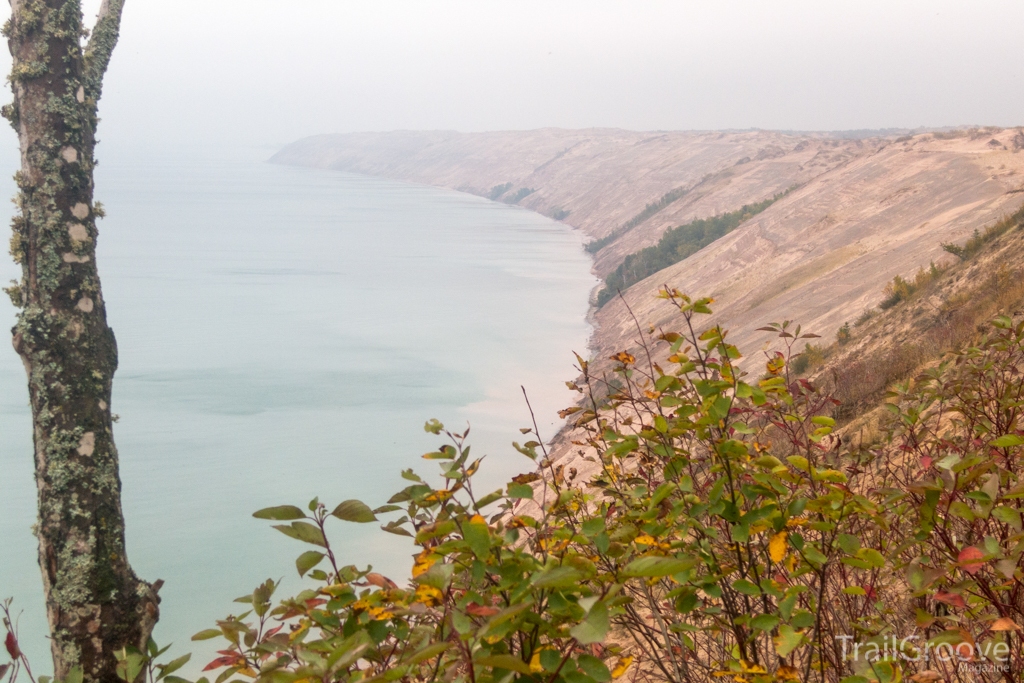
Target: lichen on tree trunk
96, 605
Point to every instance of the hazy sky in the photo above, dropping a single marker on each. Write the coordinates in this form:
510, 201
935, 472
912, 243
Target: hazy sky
270, 71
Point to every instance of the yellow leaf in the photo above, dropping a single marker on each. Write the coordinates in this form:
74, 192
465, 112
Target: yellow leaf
428, 595
438, 496
1004, 624
535, 667
749, 668
621, 667
424, 561
380, 613
787, 673
299, 632
778, 545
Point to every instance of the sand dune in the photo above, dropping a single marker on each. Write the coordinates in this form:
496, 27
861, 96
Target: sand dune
865, 209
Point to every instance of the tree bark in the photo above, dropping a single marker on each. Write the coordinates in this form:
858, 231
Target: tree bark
96, 605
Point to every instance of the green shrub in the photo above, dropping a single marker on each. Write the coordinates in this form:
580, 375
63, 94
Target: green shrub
520, 194
900, 290
498, 190
979, 239
843, 335
726, 533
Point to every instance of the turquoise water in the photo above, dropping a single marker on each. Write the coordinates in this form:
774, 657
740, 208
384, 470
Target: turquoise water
284, 333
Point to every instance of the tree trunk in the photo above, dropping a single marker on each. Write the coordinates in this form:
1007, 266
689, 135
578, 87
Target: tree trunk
96, 606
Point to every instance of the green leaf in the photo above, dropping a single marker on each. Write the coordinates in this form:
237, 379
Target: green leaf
504, 662
594, 667
207, 634
1008, 441
577, 677
788, 640
803, 619
557, 577
593, 629
872, 557
1008, 515
428, 652
813, 555
799, 462
348, 651
307, 561
75, 675
395, 527
303, 531
489, 498
856, 563
765, 622
440, 455
478, 536
439, 576
786, 606
948, 637
520, 491
280, 513
550, 659
354, 511
593, 526
849, 543
170, 667
746, 587
832, 476
658, 566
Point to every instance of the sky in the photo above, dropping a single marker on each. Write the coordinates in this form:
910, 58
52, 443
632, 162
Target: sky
266, 72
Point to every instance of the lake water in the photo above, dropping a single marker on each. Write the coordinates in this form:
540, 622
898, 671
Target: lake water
284, 333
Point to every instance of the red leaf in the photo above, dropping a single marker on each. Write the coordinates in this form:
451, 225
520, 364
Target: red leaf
222, 662
12, 646
968, 560
480, 611
951, 599
926, 461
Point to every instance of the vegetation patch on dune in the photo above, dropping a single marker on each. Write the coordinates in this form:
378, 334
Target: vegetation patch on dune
678, 243
649, 212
